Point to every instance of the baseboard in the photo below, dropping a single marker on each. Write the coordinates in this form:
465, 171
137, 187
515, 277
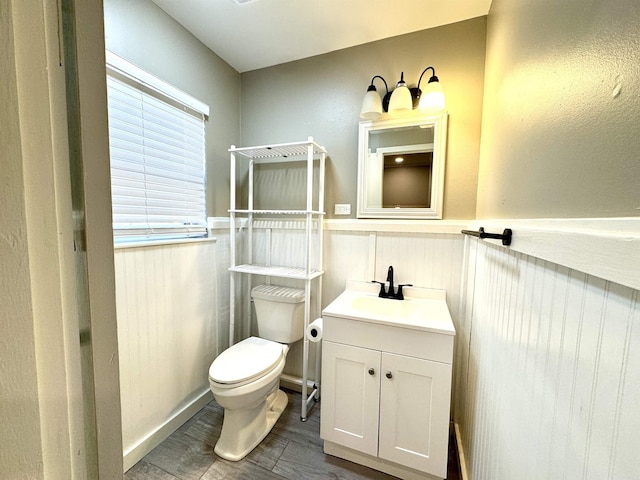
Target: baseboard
376, 463
135, 453
461, 458
294, 384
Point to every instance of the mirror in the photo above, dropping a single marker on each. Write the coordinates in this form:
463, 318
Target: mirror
401, 167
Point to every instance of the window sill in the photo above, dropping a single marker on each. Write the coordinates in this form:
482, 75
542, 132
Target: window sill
157, 243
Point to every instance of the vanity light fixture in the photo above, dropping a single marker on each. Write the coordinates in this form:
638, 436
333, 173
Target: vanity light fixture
432, 99
371, 104
403, 99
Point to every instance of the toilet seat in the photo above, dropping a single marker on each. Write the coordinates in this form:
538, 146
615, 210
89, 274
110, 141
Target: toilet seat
246, 361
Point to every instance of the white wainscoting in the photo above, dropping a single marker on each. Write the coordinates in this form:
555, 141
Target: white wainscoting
547, 384
431, 260
425, 255
421, 254
168, 308
547, 357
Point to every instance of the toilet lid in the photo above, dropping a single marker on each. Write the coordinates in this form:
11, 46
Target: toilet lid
245, 360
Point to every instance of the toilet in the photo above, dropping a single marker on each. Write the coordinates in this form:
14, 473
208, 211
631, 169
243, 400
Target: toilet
245, 378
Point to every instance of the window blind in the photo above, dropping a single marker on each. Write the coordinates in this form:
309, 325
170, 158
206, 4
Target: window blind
157, 164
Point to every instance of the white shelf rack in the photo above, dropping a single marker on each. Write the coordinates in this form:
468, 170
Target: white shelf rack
279, 212
276, 271
310, 272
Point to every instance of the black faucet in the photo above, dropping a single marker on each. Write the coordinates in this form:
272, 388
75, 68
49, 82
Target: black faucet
391, 292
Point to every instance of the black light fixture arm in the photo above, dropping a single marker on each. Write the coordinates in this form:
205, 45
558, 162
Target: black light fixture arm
372, 86
416, 93
433, 77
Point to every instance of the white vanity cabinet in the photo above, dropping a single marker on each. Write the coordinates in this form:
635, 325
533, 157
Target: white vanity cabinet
386, 396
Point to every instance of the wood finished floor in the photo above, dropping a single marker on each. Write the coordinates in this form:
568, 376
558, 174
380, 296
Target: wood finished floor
292, 450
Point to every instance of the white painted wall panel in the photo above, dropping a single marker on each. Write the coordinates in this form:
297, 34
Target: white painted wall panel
547, 358
431, 260
424, 260
221, 275
548, 373
346, 257
167, 332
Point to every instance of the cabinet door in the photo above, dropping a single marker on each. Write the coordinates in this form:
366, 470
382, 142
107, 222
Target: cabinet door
414, 413
350, 396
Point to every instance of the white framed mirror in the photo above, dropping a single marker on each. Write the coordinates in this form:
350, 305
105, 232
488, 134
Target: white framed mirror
401, 167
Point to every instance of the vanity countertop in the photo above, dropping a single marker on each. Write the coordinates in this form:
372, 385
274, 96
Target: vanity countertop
422, 309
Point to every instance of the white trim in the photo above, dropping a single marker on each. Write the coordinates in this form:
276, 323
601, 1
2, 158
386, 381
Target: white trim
224, 223
129, 70
439, 123
294, 383
398, 226
93, 155
218, 223
153, 439
608, 248
461, 458
376, 463
51, 434
156, 243
614, 224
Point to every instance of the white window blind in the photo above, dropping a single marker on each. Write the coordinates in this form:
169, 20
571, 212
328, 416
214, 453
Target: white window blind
157, 164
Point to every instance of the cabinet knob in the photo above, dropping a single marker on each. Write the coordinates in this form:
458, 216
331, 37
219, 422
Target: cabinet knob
372, 371
388, 375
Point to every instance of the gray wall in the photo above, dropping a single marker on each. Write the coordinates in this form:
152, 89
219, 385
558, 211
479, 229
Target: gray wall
561, 126
142, 33
21, 433
321, 96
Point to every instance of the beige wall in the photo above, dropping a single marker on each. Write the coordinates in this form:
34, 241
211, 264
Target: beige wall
321, 97
561, 120
151, 411
143, 34
19, 408
46, 431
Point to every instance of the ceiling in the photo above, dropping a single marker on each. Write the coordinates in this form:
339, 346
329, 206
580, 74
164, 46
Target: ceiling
252, 34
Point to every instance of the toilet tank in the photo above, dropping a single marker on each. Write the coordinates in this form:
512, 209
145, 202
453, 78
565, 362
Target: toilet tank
279, 312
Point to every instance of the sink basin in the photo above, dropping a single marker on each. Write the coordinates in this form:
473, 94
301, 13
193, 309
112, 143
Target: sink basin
422, 309
383, 306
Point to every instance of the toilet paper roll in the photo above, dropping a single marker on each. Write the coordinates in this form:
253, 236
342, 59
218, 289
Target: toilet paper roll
314, 330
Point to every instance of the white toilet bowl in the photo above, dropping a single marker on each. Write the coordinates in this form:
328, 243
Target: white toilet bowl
245, 378
245, 381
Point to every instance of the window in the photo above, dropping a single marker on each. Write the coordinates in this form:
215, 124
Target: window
157, 150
